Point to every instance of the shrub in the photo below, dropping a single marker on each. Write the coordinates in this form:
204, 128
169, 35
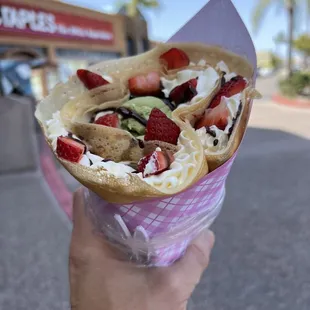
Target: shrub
295, 85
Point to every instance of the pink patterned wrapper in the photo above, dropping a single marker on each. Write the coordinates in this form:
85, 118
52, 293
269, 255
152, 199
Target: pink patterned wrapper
157, 232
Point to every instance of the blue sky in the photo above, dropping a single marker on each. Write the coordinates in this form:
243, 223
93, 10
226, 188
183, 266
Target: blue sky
174, 13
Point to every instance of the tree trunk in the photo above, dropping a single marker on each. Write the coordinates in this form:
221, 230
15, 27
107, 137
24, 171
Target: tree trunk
290, 37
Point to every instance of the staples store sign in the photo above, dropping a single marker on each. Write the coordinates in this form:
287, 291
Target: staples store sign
22, 20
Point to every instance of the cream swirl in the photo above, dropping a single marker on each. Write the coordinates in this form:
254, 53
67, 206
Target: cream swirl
219, 138
55, 128
183, 166
224, 68
206, 82
120, 170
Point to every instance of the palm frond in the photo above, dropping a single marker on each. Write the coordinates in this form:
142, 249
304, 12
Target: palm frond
259, 13
149, 3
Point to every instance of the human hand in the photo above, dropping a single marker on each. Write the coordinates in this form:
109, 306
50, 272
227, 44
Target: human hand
101, 280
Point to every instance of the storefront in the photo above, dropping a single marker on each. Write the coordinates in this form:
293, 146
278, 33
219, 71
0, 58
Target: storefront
57, 39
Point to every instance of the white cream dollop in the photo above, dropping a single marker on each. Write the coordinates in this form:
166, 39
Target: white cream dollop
120, 170
55, 128
223, 67
206, 82
103, 113
207, 139
184, 164
222, 136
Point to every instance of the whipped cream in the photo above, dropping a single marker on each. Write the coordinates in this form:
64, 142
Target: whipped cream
206, 82
211, 143
221, 138
223, 67
201, 62
184, 164
103, 113
120, 170
55, 128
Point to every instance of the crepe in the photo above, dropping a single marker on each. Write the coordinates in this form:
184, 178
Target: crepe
75, 104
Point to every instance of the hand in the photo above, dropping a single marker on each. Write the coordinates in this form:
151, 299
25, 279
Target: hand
101, 280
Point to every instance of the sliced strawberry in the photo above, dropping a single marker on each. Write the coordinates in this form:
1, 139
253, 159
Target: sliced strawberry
184, 92
229, 89
162, 128
175, 58
145, 84
217, 116
110, 120
155, 163
69, 149
90, 79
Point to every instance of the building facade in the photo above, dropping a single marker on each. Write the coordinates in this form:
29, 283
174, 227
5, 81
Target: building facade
56, 39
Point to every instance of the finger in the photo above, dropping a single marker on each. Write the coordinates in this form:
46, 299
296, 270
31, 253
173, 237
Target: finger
86, 238
196, 259
81, 224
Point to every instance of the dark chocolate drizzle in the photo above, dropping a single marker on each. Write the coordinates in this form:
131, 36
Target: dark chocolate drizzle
210, 132
235, 119
223, 80
127, 113
168, 103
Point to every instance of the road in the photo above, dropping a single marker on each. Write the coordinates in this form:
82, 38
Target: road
261, 260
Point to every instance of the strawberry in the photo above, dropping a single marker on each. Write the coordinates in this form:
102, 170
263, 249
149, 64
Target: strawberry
175, 58
69, 149
184, 92
229, 89
110, 120
155, 163
90, 79
160, 127
145, 84
217, 116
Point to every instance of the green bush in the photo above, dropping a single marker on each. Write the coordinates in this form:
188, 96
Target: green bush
296, 84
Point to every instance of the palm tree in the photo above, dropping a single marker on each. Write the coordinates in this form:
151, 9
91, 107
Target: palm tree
291, 7
133, 6
279, 38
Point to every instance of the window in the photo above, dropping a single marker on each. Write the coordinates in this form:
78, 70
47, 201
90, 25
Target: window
146, 44
131, 47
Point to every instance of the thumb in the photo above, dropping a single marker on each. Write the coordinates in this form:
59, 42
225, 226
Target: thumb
196, 259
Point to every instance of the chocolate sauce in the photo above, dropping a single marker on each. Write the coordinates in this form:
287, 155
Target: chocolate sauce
127, 113
215, 142
210, 132
235, 119
168, 103
141, 144
239, 111
223, 81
